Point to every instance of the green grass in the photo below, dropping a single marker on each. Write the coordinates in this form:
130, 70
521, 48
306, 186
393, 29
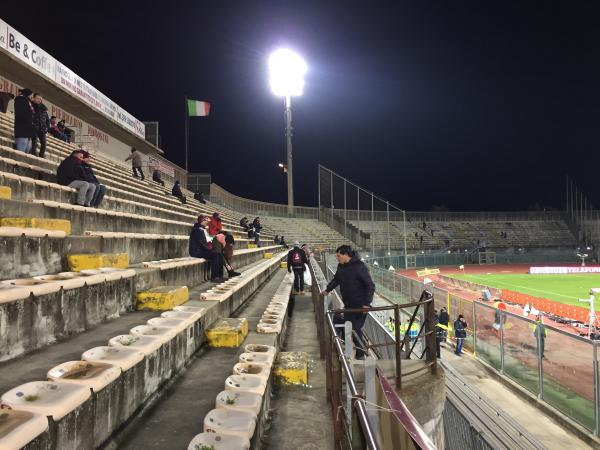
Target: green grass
561, 288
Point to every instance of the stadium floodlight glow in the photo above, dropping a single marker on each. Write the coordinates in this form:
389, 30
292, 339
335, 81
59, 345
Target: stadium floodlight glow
287, 70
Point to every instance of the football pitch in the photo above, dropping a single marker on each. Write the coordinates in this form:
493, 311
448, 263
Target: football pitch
561, 288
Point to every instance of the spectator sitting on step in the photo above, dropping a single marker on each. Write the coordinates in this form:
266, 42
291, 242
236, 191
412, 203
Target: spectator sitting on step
244, 224
176, 191
200, 246
54, 131
276, 240
223, 242
136, 163
68, 133
256, 227
89, 176
70, 173
199, 195
156, 177
215, 226
24, 129
41, 123
282, 242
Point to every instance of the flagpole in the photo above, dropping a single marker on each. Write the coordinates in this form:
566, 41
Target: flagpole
187, 138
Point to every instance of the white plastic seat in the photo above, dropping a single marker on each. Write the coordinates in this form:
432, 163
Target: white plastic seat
47, 398
188, 317
121, 356
262, 370
177, 324
65, 282
196, 310
230, 421
260, 348
218, 441
94, 375
18, 428
36, 287
145, 344
249, 383
240, 400
261, 358
162, 333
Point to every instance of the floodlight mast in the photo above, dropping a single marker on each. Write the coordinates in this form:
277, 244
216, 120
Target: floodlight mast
287, 71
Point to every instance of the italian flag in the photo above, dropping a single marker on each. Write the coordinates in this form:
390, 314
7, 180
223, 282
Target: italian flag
196, 108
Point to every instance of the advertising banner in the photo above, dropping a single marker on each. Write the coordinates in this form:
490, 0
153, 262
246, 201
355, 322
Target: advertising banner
3, 34
21, 47
577, 269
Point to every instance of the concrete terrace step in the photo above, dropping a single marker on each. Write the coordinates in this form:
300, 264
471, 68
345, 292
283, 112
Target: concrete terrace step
95, 420
37, 313
195, 391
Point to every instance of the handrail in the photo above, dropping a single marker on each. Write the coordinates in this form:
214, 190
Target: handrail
358, 401
331, 342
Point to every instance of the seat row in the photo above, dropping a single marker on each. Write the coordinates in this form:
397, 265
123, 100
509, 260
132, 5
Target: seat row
232, 425
84, 401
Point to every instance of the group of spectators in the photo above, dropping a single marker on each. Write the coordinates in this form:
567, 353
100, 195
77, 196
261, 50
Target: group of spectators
76, 171
252, 229
32, 123
209, 241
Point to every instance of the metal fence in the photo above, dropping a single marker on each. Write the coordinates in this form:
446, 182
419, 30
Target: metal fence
368, 414
357, 213
559, 368
222, 197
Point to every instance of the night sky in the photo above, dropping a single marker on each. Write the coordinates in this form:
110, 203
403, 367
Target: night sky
476, 106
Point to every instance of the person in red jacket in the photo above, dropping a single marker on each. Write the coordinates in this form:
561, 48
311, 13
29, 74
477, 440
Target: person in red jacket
215, 226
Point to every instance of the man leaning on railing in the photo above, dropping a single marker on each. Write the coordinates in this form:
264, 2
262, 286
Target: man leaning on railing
357, 289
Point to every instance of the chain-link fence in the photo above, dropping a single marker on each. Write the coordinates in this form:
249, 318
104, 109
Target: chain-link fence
373, 223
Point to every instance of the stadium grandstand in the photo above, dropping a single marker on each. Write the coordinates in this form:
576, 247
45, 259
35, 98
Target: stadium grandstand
113, 336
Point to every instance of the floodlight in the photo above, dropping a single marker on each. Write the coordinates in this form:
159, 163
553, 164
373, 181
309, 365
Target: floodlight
281, 165
287, 71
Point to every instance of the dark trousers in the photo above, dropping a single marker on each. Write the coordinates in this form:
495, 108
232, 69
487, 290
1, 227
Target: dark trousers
98, 195
139, 170
438, 350
298, 279
42, 138
216, 263
459, 345
358, 321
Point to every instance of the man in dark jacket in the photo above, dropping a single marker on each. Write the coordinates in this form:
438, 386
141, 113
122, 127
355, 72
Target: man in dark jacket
70, 173
199, 195
256, 227
176, 191
41, 123
24, 130
90, 177
357, 289
296, 259
200, 246
444, 320
460, 333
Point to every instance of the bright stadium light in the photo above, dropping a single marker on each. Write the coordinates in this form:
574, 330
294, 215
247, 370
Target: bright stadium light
287, 71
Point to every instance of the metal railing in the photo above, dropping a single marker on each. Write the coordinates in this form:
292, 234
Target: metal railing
356, 419
560, 370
